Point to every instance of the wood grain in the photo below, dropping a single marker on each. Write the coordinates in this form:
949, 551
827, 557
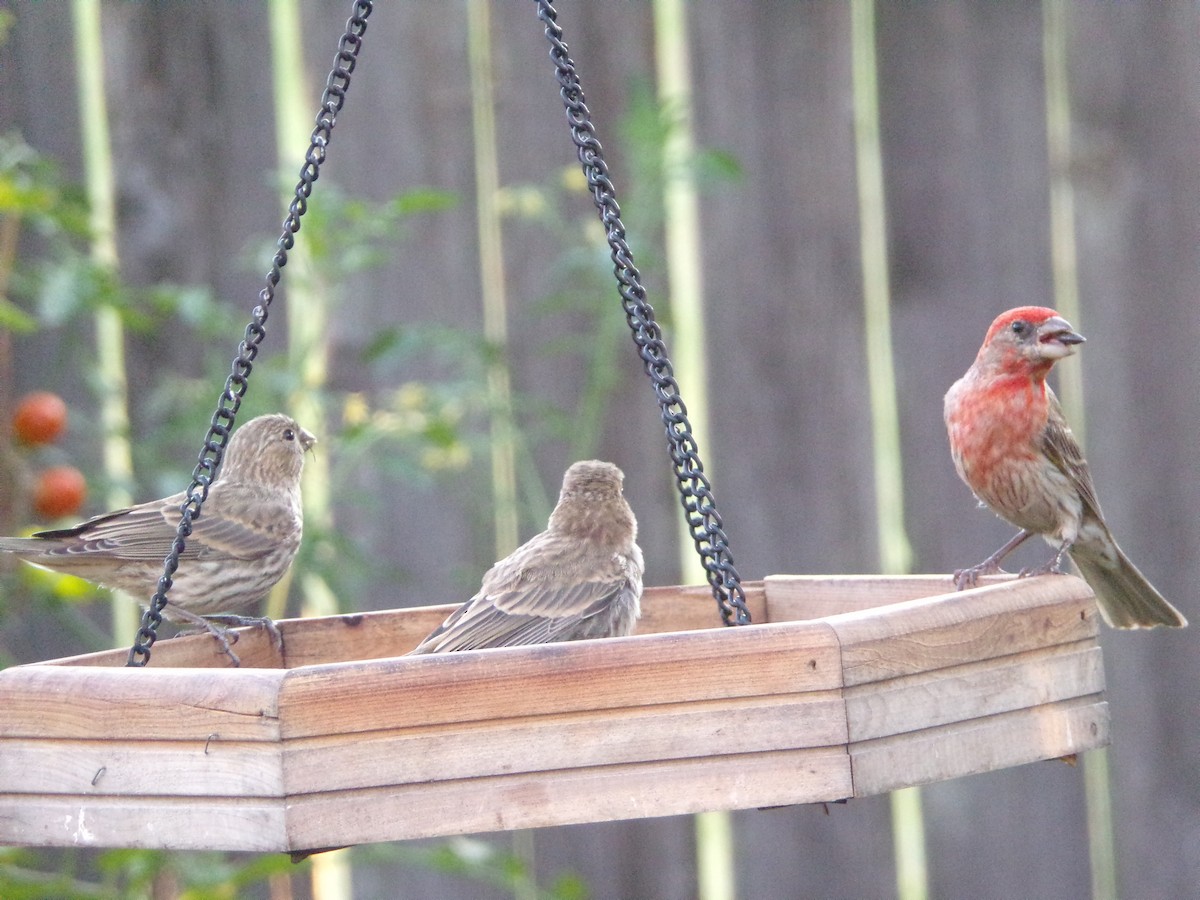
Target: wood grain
692, 607
616, 673
214, 823
796, 597
565, 741
569, 796
377, 635
253, 647
132, 704
354, 743
980, 745
973, 690
936, 632
139, 768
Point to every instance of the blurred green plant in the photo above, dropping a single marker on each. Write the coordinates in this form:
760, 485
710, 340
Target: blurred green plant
471, 859
585, 299
131, 874
427, 426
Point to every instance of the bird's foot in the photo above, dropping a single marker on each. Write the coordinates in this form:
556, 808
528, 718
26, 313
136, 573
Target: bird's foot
969, 578
265, 622
224, 638
1053, 567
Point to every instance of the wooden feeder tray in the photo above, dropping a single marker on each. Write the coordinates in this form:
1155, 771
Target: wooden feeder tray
852, 686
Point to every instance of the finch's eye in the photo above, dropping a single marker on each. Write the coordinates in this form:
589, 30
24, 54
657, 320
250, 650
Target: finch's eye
289, 435
1020, 328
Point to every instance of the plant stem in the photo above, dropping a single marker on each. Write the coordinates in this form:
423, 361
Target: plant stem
492, 290
1097, 785
715, 869
1062, 194
308, 349
895, 553
494, 299
307, 298
110, 332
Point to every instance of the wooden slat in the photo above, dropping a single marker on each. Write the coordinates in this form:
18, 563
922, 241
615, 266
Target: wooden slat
604, 674
792, 598
253, 647
132, 704
569, 797
378, 635
564, 741
139, 768
979, 745
374, 635
215, 823
974, 690
925, 685
932, 633
692, 608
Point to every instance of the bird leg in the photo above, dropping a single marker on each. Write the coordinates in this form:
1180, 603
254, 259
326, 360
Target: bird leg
968, 578
242, 621
220, 635
1053, 566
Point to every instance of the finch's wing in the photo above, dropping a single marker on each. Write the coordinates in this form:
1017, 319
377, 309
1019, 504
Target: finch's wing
538, 614
1061, 448
145, 532
246, 522
140, 532
541, 594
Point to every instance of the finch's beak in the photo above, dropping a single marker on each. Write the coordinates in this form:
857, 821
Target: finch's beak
307, 440
1057, 330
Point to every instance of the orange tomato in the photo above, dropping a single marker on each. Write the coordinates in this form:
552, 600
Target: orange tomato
60, 491
41, 418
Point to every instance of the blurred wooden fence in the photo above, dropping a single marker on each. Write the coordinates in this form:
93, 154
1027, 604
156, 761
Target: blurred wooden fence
967, 178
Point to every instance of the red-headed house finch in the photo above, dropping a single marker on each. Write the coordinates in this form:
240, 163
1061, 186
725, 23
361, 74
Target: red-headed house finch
580, 578
242, 543
1013, 448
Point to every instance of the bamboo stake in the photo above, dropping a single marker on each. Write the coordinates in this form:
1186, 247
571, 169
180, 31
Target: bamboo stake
494, 299
1097, 782
308, 348
908, 827
492, 277
113, 399
307, 299
715, 863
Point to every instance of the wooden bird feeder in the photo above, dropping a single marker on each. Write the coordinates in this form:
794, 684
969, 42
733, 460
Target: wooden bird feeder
852, 686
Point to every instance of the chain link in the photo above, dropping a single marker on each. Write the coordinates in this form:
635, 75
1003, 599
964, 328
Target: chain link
694, 489
230, 401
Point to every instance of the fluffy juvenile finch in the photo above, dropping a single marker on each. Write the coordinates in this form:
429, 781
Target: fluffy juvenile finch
580, 578
1013, 448
242, 543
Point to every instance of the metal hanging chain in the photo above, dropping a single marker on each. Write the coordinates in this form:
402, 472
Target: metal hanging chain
694, 488
230, 401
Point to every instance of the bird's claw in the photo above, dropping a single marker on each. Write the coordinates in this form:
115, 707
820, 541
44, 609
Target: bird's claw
224, 639
969, 578
222, 636
1050, 568
244, 621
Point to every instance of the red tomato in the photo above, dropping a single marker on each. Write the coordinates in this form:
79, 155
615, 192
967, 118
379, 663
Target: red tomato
41, 418
60, 491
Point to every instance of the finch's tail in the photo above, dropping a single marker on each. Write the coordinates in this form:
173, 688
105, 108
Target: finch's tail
18, 545
1126, 598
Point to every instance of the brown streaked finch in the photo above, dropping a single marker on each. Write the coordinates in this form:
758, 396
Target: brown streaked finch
580, 578
241, 544
1013, 448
